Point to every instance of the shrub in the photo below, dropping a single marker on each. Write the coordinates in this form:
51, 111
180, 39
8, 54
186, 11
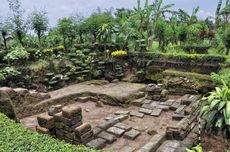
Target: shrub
199, 49
119, 53
18, 54
198, 148
14, 137
224, 74
217, 110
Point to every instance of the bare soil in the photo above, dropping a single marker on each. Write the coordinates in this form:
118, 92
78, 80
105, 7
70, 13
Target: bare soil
214, 143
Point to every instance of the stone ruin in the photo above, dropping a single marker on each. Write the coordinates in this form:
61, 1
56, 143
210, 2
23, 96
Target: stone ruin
65, 124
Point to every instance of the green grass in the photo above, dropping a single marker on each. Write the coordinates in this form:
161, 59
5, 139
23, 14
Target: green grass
15, 138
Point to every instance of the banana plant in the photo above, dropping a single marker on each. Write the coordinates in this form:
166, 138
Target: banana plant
217, 110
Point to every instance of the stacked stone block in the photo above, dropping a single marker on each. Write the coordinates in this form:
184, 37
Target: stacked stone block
65, 124
156, 92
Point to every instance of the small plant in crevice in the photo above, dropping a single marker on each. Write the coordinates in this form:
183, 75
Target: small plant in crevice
217, 110
198, 148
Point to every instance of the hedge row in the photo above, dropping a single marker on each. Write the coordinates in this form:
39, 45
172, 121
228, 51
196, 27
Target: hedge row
15, 138
180, 57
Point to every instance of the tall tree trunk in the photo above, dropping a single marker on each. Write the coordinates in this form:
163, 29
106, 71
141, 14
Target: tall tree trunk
4, 39
39, 37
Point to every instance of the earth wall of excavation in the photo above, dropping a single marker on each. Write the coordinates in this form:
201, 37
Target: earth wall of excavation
19, 102
181, 74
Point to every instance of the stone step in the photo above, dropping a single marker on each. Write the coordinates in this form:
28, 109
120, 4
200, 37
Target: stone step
153, 144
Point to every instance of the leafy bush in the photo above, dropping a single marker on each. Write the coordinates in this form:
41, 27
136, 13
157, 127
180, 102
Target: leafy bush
224, 74
199, 49
217, 110
14, 137
17, 54
119, 53
198, 148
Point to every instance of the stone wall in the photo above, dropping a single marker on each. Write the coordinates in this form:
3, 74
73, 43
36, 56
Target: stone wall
65, 124
22, 100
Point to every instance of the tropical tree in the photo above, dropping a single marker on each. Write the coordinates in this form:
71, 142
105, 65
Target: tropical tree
163, 33
95, 22
19, 26
5, 27
227, 41
39, 23
66, 30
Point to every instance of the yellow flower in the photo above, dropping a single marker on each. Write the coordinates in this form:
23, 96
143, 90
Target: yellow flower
119, 53
48, 50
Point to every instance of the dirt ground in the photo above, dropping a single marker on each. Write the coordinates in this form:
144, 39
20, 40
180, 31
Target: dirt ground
94, 115
214, 143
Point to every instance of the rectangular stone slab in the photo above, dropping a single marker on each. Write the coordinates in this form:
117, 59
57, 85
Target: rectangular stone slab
42, 130
116, 131
71, 111
145, 111
132, 134
123, 126
156, 112
107, 136
98, 143
107, 124
137, 114
121, 113
84, 128
46, 121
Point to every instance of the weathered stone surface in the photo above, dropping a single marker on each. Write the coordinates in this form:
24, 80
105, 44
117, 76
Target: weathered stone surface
54, 109
188, 99
82, 129
138, 102
153, 144
121, 118
72, 121
109, 117
8, 91
140, 128
137, 114
107, 124
127, 149
145, 111
151, 132
83, 99
97, 131
85, 137
116, 131
167, 103
146, 101
166, 149
107, 136
163, 107
121, 113
132, 134
57, 117
156, 112
71, 111
46, 121
156, 97
6, 106
42, 130
175, 106
180, 109
169, 146
176, 116
98, 143
61, 125
21, 91
148, 106
123, 126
